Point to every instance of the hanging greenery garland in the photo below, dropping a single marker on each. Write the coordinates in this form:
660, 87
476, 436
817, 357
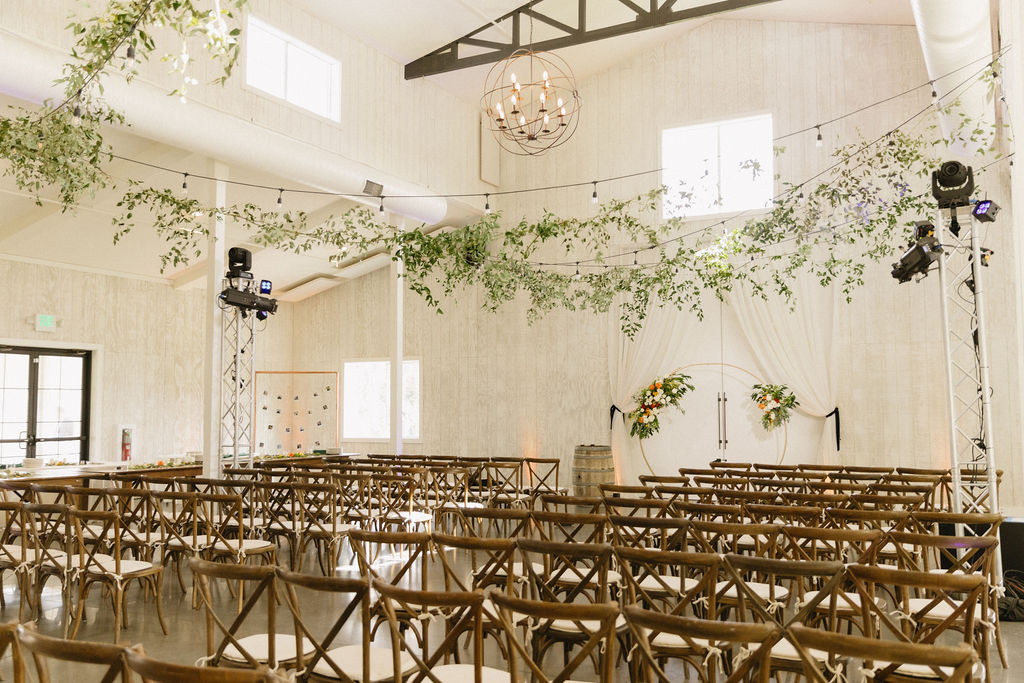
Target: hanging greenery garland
667, 392
775, 401
855, 212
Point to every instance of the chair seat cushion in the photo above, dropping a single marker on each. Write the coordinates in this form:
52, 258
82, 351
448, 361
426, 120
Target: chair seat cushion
657, 583
570, 626
940, 611
677, 642
349, 659
249, 545
258, 645
786, 650
761, 590
466, 673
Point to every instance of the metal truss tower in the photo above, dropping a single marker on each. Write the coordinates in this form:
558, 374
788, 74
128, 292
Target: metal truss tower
972, 449
237, 378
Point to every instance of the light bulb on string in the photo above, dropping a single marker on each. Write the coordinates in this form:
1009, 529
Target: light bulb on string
593, 197
129, 58
935, 95
577, 276
818, 141
487, 204
184, 185
280, 199
76, 116
635, 262
381, 209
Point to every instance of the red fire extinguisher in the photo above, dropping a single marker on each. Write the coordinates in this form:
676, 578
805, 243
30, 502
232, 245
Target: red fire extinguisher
126, 444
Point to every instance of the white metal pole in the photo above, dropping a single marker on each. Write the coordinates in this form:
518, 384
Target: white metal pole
212, 371
954, 458
397, 350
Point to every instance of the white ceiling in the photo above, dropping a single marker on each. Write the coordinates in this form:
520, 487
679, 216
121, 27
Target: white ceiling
85, 239
428, 25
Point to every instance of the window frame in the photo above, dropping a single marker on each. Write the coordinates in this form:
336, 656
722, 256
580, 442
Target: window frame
289, 39
32, 421
341, 405
717, 122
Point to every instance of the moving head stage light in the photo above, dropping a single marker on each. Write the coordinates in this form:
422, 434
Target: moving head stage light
917, 259
241, 292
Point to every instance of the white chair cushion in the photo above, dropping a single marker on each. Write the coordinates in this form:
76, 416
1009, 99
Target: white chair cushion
676, 641
416, 517
652, 584
249, 545
761, 590
940, 611
466, 673
258, 646
349, 659
569, 626
786, 650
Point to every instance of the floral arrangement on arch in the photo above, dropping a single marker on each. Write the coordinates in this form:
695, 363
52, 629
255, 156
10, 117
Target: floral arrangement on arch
653, 399
775, 402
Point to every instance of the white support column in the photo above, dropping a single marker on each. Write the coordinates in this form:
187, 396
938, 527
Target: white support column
397, 351
214, 333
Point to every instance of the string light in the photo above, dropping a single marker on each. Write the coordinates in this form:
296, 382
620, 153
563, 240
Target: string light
381, 204
487, 204
76, 115
935, 95
280, 199
129, 58
634, 258
818, 141
593, 197
184, 185
577, 276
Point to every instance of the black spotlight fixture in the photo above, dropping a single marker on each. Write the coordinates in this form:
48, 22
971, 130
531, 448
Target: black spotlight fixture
918, 259
986, 211
241, 291
952, 184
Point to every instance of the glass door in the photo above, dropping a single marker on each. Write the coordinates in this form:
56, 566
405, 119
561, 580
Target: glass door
44, 405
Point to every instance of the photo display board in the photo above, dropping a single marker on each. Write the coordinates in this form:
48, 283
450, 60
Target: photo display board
296, 412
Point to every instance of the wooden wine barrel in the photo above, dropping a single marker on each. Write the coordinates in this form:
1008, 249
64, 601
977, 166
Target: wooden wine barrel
592, 465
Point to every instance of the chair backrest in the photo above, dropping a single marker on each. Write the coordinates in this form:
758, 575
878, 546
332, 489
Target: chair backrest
637, 507
491, 561
571, 572
305, 595
625, 491
595, 625
760, 540
93, 531
568, 527
803, 583
9, 641
456, 613
709, 636
178, 515
413, 551
494, 522
48, 530
658, 533
158, 671
952, 664
224, 626
43, 648
582, 504
543, 474
831, 545
670, 582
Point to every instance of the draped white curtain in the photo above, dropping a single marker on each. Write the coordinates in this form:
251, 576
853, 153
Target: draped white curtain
654, 351
796, 347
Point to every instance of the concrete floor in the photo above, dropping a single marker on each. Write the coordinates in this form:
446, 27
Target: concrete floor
186, 641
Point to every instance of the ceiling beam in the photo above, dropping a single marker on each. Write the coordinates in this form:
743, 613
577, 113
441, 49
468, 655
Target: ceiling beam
660, 13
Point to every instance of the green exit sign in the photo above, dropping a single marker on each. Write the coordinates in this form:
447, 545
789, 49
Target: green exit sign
46, 323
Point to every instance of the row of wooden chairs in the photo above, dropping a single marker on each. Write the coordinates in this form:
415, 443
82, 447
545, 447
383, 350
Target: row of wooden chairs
118, 663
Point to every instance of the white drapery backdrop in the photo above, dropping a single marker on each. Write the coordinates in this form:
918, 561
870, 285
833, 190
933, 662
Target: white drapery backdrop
795, 347
654, 351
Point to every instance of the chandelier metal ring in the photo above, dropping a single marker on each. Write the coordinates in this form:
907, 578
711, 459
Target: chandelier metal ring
531, 102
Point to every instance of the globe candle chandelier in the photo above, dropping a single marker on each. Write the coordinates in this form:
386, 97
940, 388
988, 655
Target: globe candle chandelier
531, 102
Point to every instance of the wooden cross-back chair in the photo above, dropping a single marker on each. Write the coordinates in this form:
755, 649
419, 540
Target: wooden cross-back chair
711, 641
449, 493
595, 623
697, 472
637, 507
788, 515
920, 607
719, 482
157, 671
14, 556
760, 540
410, 553
670, 582
657, 533
137, 521
42, 648
972, 555
855, 518
678, 494
306, 595
763, 590
456, 617
393, 503
543, 477
110, 571
883, 501
9, 641
948, 664
321, 529
823, 544
222, 521
709, 512
822, 500
773, 467
570, 573
655, 480
178, 515
493, 523
567, 527
505, 483
492, 562
48, 542
277, 515
256, 587
582, 504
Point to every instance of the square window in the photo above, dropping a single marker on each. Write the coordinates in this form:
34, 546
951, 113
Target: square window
285, 67
727, 166
366, 401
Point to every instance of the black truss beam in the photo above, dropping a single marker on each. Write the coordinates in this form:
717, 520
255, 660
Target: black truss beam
659, 13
